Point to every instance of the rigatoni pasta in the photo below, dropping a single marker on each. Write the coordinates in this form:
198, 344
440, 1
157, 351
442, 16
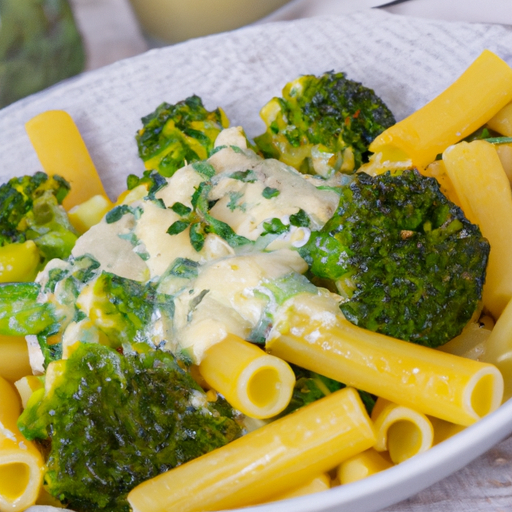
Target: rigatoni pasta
498, 348
484, 190
21, 463
362, 465
14, 360
288, 452
318, 484
255, 383
18, 262
474, 98
61, 150
401, 431
449, 387
502, 121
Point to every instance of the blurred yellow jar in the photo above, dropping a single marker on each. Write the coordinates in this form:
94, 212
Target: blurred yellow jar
172, 21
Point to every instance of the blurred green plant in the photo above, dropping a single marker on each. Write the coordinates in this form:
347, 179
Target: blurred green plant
39, 46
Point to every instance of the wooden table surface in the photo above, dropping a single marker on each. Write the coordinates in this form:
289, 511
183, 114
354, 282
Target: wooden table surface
111, 33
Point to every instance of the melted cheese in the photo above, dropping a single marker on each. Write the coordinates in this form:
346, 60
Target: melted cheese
162, 248
224, 298
243, 205
180, 187
229, 294
115, 254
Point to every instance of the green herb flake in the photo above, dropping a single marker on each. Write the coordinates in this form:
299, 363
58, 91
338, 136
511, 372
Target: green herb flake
180, 209
177, 227
269, 192
204, 169
225, 231
117, 213
197, 236
234, 197
248, 176
300, 219
274, 227
184, 268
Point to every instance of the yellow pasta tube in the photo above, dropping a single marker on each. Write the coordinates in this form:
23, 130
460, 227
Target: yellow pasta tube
435, 383
61, 150
469, 343
257, 384
19, 262
21, 464
85, 215
484, 191
443, 430
14, 360
318, 484
505, 153
276, 458
498, 348
474, 98
361, 466
26, 386
437, 170
401, 431
502, 121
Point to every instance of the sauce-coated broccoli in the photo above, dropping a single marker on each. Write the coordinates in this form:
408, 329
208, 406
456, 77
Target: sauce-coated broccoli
20, 313
175, 135
111, 421
30, 210
323, 124
407, 260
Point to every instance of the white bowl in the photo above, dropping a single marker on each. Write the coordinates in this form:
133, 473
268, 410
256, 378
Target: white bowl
407, 61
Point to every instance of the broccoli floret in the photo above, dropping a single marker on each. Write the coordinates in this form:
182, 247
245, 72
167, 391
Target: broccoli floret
406, 259
20, 313
113, 421
175, 135
123, 309
323, 124
30, 210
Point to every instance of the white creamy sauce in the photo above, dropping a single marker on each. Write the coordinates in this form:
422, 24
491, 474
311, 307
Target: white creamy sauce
244, 206
115, 254
226, 294
229, 304
151, 230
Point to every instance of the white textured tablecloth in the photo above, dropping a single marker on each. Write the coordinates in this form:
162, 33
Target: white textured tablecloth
111, 32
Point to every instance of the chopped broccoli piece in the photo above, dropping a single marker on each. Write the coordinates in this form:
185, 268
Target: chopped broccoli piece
323, 124
30, 210
123, 309
20, 313
175, 135
310, 387
408, 262
115, 420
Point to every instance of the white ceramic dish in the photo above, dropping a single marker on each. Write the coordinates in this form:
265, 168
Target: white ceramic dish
406, 61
